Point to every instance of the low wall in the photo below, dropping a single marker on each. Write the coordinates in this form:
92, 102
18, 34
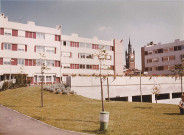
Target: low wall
126, 87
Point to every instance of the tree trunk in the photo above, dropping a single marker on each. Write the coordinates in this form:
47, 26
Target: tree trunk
108, 89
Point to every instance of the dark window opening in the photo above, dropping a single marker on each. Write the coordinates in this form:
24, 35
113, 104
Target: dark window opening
163, 96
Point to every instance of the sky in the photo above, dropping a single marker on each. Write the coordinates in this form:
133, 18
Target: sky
140, 20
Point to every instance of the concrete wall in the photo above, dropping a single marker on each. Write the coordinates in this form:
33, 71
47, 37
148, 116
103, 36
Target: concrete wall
126, 87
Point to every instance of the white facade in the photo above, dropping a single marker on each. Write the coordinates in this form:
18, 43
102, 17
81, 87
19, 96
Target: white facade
22, 44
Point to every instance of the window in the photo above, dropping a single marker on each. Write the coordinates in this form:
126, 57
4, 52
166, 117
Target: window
172, 57
131, 60
111, 67
166, 67
160, 50
74, 44
166, 50
21, 48
149, 68
48, 78
15, 33
21, 33
95, 46
89, 56
155, 51
146, 53
66, 54
54, 77
160, 68
149, 60
38, 62
40, 48
107, 48
182, 47
88, 45
50, 63
154, 68
29, 34
155, 60
65, 66
95, 67
82, 45
108, 57
8, 32
171, 67
20, 62
82, 66
74, 66
82, 55
166, 58
6, 61
88, 66
40, 35
64, 43
101, 46
57, 38
150, 52
7, 46
1, 31
177, 48
171, 49
182, 56
40, 78
67, 43
50, 50
35, 78
112, 48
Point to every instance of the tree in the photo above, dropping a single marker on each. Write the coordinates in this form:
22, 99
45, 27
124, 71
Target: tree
43, 68
102, 55
179, 70
156, 91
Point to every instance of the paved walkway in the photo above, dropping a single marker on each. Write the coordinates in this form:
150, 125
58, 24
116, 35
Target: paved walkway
15, 123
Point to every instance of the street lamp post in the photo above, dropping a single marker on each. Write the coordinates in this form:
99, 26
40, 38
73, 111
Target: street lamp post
60, 28
140, 86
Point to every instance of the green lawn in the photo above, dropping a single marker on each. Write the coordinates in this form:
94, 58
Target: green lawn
76, 113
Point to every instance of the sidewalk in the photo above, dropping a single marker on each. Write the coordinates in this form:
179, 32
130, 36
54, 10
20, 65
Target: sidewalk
15, 123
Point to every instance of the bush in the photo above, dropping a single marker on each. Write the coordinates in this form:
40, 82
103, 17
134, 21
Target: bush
21, 80
29, 82
5, 86
59, 89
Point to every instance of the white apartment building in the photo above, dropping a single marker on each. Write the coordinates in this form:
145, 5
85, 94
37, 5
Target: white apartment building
65, 55
161, 59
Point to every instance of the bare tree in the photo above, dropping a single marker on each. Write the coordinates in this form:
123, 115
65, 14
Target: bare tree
43, 68
179, 70
102, 55
156, 91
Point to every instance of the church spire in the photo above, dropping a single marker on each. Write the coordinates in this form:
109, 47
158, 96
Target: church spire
129, 46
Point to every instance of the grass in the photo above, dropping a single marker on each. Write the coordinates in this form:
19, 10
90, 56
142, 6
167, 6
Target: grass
81, 114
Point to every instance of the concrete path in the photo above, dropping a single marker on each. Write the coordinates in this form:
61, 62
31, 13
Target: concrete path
15, 123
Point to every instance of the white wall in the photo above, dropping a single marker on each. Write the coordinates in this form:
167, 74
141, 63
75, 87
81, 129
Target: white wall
125, 86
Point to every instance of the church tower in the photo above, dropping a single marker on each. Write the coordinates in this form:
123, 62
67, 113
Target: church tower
130, 57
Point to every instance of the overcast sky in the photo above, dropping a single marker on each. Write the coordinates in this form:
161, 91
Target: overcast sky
142, 21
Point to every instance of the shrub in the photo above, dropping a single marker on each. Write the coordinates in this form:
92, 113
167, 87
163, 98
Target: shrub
5, 85
58, 91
